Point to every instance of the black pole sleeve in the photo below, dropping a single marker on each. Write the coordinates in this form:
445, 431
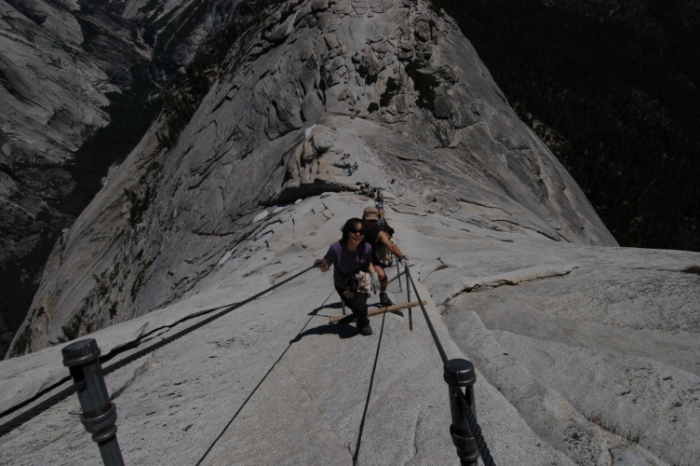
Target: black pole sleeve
99, 414
459, 373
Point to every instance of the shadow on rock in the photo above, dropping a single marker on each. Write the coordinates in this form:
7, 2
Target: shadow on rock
337, 305
342, 329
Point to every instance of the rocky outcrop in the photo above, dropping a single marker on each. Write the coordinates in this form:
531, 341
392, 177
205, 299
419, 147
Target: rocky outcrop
433, 129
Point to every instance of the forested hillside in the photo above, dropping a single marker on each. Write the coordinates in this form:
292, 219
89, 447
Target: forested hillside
612, 87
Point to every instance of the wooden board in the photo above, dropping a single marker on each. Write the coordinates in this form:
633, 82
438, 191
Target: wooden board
376, 312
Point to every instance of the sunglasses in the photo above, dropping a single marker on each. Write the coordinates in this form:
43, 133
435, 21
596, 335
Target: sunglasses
361, 231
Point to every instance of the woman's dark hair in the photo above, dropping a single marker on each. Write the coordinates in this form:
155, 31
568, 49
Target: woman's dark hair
350, 226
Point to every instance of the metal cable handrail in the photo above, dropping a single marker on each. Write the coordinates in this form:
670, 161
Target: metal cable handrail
41, 393
250, 395
65, 393
476, 430
436, 339
33, 412
459, 397
461, 400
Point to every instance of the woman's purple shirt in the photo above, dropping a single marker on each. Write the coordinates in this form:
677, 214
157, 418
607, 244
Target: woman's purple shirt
345, 262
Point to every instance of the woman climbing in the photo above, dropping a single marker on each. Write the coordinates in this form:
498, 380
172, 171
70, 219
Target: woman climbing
351, 258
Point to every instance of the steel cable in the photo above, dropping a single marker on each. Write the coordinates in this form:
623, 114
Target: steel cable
139, 354
464, 406
65, 393
34, 398
38, 409
476, 430
250, 395
440, 349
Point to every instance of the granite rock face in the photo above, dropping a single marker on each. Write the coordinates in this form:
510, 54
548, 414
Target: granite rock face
61, 65
520, 274
295, 95
54, 88
51, 97
576, 355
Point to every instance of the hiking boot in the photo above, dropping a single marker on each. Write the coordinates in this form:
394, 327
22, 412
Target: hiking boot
366, 330
384, 300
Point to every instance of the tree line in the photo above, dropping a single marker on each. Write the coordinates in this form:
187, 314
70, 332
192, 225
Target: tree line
621, 94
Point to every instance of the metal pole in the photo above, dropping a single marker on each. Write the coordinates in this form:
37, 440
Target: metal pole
460, 373
99, 413
398, 273
408, 292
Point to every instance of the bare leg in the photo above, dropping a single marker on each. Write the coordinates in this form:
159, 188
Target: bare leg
381, 275
383, 285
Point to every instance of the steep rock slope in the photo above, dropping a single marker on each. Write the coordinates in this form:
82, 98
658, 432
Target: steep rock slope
391, 83
77, 92
587, 353
580, 360
51, 94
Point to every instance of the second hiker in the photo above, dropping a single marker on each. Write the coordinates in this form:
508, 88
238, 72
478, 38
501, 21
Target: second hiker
378, 238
